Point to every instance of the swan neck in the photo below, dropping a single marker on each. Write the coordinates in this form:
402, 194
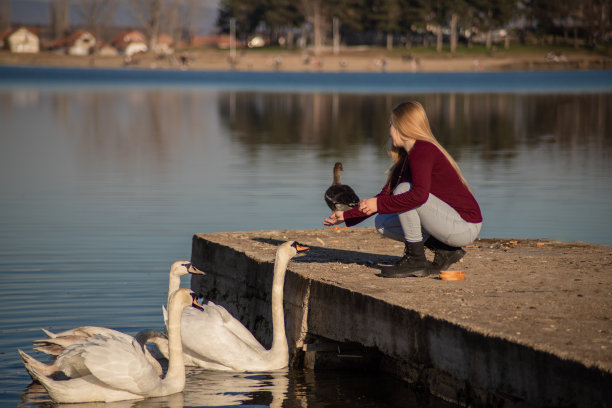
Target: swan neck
279, 337
173, 284
175, 376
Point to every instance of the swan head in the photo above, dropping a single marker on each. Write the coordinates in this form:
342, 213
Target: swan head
338, 167
180, 268
184, 297
292, 248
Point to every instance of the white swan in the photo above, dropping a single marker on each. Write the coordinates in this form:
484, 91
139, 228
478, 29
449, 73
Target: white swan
215, 340
113, 369
69, 362
55, 343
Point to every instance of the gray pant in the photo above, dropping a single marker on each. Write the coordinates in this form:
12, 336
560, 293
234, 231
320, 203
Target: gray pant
434, 217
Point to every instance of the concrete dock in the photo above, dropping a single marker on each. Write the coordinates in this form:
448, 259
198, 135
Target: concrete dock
531, 325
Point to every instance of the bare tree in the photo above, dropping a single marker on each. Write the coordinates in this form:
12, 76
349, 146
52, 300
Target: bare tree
149, 13
60, 19
5, 15
97, 14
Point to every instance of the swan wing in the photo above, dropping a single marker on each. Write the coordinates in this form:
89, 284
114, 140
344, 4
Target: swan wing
57, 342
120, 364
235, 326
215, 336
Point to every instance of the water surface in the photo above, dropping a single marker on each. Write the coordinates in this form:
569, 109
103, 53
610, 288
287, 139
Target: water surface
104, 183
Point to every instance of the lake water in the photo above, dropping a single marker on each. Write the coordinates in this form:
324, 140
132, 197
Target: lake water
105, 175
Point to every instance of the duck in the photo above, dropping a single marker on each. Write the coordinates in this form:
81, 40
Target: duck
215, 340
340, 197
111, 368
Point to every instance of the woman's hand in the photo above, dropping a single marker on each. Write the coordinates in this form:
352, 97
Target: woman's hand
369, 206
336, 218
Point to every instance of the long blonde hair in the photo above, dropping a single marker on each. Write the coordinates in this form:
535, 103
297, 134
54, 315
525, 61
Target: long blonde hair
410, 120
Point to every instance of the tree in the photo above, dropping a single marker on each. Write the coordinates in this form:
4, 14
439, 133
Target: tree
282, 16
596, 17
349, 15
60, 20
149, 13
96, 13
386, 15
247, 14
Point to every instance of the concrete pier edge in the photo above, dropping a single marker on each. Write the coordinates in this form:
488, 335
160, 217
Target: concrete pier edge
459, 364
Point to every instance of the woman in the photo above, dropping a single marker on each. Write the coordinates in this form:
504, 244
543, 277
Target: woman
426, 201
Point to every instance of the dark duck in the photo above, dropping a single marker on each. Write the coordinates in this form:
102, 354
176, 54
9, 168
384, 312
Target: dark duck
340, 197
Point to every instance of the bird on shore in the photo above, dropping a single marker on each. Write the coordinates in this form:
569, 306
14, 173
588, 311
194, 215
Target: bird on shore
215, 340
340, 197
109, 368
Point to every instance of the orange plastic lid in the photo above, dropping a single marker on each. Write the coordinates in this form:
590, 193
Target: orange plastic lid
452, 275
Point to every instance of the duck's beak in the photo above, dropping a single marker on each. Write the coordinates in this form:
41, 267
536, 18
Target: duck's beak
195, 303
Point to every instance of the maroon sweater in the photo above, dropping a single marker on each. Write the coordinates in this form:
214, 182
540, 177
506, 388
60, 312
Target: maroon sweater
429, 171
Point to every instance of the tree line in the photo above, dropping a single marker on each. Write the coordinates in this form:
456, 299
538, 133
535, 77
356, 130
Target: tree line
319, 23
389, 22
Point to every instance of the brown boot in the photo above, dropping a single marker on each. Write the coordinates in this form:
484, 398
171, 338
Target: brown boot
412, 264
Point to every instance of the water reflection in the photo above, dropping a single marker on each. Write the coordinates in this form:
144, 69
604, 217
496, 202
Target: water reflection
295, 389
124, 124
494, 122
203, 389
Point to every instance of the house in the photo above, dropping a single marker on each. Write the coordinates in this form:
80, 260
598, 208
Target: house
163, 45
107, 50
130, 42
80, 42
21, 40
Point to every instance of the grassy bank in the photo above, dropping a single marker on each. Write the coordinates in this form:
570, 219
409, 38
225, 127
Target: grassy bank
353, 59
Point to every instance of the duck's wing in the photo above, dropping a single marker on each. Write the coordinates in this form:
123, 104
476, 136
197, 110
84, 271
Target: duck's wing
341, 197
120, 364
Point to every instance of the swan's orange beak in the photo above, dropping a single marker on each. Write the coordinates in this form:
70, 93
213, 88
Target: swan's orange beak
192, 269
195, 303
300, 248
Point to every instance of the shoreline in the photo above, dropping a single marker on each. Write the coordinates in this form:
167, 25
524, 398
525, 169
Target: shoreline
295, 61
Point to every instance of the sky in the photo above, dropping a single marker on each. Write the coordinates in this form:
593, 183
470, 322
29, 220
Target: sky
35, 12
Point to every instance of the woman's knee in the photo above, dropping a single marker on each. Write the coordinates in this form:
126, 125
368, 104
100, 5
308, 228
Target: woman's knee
402, 188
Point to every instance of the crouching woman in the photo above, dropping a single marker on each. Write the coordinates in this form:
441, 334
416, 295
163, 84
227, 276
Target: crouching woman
426, 201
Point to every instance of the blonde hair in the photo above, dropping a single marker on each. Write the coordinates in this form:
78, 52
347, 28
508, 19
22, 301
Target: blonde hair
410, 120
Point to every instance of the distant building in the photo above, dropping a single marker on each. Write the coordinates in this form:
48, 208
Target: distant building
107, 50
130, 42
20, 40
164, 44
80, 42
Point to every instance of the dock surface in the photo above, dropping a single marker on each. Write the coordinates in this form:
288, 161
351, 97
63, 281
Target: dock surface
531, 325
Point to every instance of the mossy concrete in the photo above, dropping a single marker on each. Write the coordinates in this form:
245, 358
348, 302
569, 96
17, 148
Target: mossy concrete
530, 326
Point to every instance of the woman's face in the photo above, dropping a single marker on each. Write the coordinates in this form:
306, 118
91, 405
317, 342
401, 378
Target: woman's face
395, 137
